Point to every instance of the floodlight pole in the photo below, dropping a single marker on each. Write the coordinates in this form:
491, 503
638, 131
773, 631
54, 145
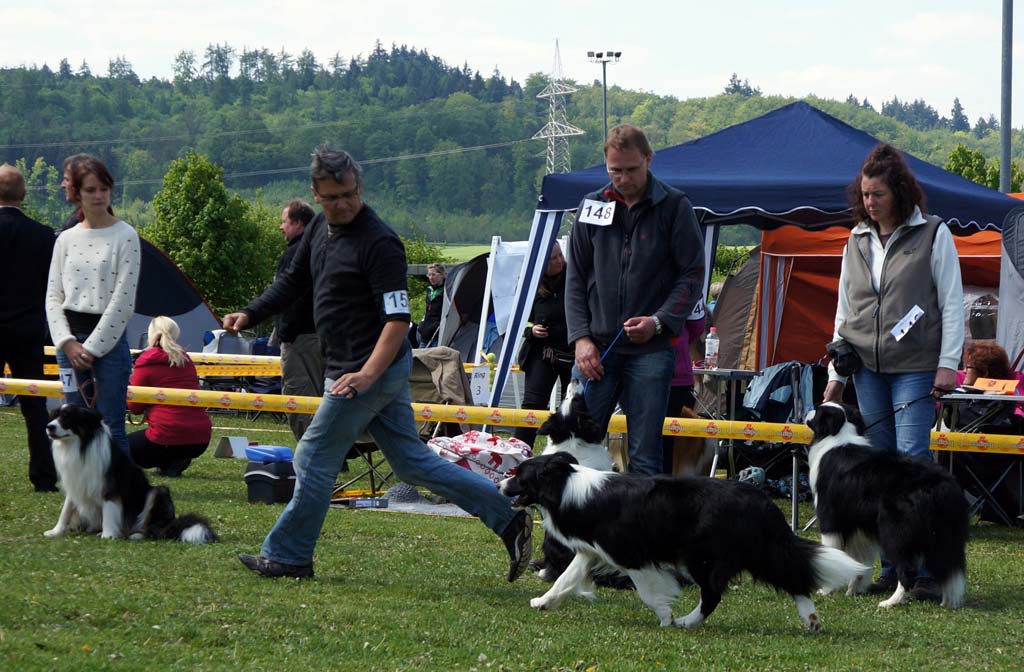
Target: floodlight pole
1004, 122
604, 58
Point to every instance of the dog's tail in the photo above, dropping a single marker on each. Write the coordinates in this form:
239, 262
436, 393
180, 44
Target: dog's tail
192, 529
833, 568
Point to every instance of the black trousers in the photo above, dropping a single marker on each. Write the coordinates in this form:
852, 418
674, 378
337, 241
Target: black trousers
678, 398
25, 357
540, 379
149, 455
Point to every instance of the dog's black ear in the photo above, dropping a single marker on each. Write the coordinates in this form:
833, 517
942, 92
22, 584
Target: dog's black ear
546, 426
854, 417
565, 458
828, 420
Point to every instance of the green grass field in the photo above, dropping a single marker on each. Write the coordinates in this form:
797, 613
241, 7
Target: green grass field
461, 253
410, 592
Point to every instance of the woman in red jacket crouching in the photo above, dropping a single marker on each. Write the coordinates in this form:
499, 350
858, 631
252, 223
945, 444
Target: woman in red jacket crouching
176, 434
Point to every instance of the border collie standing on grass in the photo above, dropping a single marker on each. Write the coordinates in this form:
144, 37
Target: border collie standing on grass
868, 499
663, 532
105, 492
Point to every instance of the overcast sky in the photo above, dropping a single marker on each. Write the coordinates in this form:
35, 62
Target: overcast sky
935, 50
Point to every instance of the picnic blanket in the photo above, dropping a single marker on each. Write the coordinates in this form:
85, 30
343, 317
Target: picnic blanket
482, 453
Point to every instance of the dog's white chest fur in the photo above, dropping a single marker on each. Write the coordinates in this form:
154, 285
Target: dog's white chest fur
82, 473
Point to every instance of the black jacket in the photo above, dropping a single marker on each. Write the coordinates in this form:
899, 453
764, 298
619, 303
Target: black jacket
648, 261
432, 314
358, 276
27, 247
297, 318
550, 311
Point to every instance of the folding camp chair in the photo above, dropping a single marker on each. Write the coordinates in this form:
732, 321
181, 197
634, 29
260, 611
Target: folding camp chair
436, 377
995, 482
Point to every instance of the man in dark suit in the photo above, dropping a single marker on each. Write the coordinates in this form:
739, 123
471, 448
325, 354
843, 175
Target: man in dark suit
26, 246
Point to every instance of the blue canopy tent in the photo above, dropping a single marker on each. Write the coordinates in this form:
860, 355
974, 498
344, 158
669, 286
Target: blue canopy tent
792, 166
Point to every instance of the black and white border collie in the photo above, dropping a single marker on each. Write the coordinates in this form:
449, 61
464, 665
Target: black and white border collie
664, 532
105, 491
571, 429
870, 499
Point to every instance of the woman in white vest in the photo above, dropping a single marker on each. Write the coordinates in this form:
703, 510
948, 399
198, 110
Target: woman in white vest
901, 309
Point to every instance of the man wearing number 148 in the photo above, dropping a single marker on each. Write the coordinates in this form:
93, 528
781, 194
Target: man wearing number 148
356, 266
635, 271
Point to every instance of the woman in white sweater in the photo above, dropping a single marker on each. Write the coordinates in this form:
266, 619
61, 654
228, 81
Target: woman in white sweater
91, 297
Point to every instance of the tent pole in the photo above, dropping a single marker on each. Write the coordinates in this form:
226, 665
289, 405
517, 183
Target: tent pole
485, 305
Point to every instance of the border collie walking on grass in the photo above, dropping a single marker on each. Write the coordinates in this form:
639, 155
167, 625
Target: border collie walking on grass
869, 499
106, 492
663, 532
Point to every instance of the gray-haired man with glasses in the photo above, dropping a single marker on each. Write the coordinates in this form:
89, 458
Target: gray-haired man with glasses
356, 266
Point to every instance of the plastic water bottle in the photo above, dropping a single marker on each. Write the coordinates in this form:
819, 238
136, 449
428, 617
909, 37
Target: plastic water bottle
711, 349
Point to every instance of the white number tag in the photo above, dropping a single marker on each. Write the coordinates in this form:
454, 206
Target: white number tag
67, 380
904, 325
597, 213
396, 302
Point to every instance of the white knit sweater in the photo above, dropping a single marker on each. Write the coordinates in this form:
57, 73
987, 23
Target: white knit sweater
94, 271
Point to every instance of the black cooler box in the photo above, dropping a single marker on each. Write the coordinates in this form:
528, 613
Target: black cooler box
270, 482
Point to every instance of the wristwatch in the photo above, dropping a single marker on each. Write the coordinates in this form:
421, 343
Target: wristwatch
657, 324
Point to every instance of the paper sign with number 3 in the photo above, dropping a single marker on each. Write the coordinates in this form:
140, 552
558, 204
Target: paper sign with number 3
597, 213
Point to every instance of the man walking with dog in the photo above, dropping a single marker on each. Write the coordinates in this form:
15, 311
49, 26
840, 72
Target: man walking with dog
635, 271
357, 268
28, 246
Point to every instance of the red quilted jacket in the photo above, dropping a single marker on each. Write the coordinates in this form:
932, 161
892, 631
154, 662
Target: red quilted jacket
170, 425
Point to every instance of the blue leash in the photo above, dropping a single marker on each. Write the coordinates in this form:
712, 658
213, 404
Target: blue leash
603, 356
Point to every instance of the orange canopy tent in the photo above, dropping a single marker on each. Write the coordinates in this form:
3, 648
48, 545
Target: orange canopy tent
797, 290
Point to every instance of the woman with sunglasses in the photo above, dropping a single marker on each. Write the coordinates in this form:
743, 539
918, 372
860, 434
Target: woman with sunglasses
90, 298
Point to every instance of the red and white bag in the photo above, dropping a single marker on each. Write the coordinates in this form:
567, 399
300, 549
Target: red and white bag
482, 453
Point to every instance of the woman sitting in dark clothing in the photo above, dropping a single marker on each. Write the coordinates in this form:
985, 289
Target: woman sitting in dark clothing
431, 322
546, 356
985, 359
176, 434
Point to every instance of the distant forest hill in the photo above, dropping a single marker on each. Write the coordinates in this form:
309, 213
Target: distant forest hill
446, 150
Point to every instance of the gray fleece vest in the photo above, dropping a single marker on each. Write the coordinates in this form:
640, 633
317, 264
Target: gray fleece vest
906, 281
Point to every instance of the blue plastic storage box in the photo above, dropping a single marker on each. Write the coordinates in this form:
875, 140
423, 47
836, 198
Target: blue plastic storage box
269, 453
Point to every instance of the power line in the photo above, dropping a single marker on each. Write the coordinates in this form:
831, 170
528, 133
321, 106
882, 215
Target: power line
165, 138
368, 162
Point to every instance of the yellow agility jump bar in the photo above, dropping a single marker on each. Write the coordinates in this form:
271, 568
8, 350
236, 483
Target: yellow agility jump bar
713, 429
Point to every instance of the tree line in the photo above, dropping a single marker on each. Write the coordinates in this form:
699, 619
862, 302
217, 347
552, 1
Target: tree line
446, 149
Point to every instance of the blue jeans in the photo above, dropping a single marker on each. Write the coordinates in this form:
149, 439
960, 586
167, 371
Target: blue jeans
107, 383
641, 385
385, 411
909, 431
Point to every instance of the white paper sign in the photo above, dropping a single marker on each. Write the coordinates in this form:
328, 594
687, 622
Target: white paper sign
909, 320
480, 384
597, 213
